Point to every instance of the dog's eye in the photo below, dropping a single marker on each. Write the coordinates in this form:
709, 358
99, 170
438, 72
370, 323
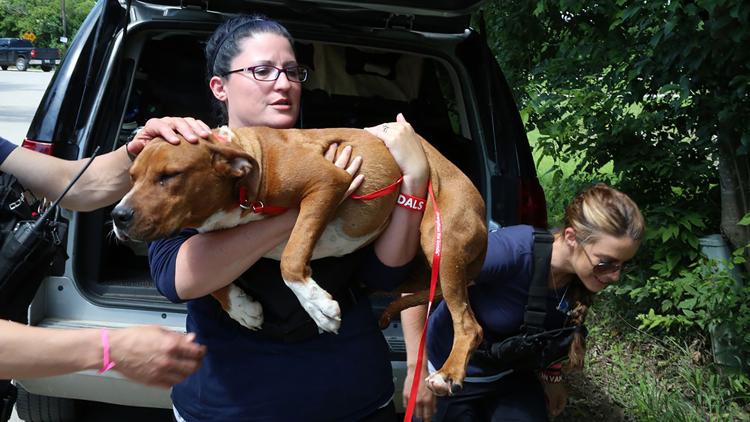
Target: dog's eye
164, 177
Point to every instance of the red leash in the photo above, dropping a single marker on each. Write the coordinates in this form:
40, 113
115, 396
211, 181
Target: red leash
433, 285
260, 208
380, 192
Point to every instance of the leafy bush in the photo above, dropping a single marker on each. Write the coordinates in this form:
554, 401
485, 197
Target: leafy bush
659, 377
708, 295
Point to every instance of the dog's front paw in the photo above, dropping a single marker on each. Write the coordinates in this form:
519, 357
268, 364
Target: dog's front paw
441, 385
318, 304
243, 309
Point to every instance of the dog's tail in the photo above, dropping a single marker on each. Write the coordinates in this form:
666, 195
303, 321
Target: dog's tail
405, 302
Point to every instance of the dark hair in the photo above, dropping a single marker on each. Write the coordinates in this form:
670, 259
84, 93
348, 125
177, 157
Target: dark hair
597, 210
224, 45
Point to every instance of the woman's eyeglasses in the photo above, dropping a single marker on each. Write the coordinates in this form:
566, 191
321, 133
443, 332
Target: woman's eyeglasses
269, 73
603, 267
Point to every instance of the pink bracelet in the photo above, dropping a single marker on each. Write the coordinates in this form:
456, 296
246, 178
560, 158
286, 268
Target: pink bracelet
107, 364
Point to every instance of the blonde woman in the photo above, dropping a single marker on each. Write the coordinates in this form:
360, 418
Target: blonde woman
602, 231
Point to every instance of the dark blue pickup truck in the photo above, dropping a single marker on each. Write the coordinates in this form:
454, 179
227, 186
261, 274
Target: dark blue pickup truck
21, 54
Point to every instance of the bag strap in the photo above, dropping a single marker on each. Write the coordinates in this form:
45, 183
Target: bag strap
536, 307
7, 400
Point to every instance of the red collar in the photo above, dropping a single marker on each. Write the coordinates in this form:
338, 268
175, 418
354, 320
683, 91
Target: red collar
258, 207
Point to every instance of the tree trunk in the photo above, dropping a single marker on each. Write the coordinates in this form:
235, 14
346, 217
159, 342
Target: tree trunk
734, 181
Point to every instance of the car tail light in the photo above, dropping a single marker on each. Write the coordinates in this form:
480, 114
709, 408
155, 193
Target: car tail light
33, 53
532, 207
38, 146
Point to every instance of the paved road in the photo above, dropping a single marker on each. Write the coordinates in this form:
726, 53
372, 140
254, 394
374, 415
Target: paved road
20, 93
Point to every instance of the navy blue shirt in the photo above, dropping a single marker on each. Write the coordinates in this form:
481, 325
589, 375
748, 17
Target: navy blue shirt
498, 298
6, 147
247, 376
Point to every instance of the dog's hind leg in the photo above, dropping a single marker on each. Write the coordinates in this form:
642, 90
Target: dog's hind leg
464, 243
467, 333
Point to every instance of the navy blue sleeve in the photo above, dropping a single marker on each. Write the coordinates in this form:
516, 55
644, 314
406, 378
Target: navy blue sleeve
504, 248
6, 147
379, 276
162, 258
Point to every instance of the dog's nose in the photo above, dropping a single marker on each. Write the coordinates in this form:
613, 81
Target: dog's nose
122, 216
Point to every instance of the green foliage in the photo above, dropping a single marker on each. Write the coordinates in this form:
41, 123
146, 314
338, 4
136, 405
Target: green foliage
660, 378
43, 18
705, 295
655, 88
649, 97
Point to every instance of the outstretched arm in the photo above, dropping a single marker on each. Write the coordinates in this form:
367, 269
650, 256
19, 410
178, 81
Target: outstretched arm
103, 183
150, 355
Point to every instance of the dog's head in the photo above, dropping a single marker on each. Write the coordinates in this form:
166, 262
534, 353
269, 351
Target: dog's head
182, 186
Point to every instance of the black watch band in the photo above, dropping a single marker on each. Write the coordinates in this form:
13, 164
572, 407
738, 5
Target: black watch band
130, 138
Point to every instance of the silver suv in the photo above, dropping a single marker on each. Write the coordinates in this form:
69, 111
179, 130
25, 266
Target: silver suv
133, 60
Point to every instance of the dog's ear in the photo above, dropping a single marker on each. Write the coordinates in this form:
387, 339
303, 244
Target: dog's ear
233, 162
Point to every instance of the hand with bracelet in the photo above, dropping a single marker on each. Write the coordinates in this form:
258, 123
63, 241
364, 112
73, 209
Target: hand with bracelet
150, 355
400, 241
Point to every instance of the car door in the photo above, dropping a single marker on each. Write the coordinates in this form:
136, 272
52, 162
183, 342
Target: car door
61, 116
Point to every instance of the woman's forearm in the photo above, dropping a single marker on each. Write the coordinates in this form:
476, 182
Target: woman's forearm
400, 241
209, 261
103, 183
412, 323
27, 352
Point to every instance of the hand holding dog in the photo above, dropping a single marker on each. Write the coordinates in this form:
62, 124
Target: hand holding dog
168, 128
404, 145
351, 165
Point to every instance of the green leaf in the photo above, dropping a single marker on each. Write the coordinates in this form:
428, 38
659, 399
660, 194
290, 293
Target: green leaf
668, 27
687, 304
745, 221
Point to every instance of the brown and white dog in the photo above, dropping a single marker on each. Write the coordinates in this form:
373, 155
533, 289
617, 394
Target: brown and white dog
198, 186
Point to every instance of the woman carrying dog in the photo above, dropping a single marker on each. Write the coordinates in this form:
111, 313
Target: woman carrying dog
602, 231
286, 371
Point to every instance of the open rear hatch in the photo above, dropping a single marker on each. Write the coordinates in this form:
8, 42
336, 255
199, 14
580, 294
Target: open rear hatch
440, 16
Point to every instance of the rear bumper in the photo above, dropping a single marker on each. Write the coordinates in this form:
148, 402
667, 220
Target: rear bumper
107, 388
44, 61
